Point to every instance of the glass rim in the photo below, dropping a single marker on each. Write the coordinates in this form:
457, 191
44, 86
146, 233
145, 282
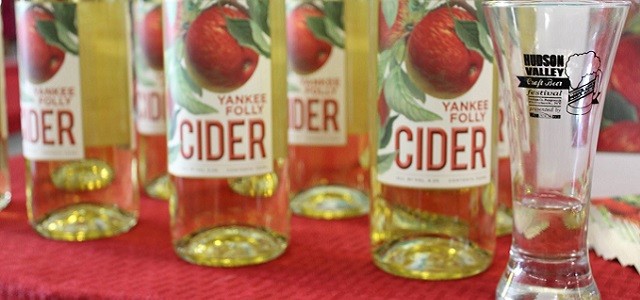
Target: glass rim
564, 3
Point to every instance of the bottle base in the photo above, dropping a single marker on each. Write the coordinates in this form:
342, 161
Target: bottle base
231, 246
263, 185
85, 221
159, 188
330, 202
432, 258
83, 175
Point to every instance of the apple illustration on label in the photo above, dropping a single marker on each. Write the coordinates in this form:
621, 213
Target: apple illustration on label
625, 74
151, 38
307, 53
214, 59
42, 60
437, 60
620, 137
388, 35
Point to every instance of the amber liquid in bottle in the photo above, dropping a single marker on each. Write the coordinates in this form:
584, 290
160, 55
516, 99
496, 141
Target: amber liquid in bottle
88, 108
219, 219
430, 220
151, 130
328, 141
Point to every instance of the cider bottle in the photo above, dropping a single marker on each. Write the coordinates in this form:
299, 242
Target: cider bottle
77, 123
327, 89
5, 186
504, 223
433, 176
225, 65
151, 125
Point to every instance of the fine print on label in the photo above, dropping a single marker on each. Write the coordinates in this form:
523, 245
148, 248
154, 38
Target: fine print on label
221, 112
558, 84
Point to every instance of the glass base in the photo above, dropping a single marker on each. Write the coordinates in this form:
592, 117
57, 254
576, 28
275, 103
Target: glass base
432, 258
5, 198
539, 278
330, 202
231, 246
159, 188
85, 221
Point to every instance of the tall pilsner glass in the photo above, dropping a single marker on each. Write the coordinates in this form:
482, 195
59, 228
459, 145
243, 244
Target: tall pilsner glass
555, 58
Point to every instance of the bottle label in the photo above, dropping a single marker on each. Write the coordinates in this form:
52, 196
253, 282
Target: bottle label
219, 97
149, 83
49, 71
435, 102
316, 91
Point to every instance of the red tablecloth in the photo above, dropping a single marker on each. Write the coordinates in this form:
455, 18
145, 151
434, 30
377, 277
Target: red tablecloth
325, 260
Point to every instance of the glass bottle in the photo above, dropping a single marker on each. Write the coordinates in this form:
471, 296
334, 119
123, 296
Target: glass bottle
504, 223
433, 180
225, 65
76, 109
5, 182
151, 133
327, 89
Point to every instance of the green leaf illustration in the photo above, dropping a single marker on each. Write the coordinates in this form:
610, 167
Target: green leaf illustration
49, 31
326, 31
414, 91
171, 125
173, 153
334, 12
259, 13
334, 33
474, 36
480, 16
65, 13
617, 108
293, 88
389, 11
183, 91
248, 34
389, 60
385, 161
400, 99
387, 133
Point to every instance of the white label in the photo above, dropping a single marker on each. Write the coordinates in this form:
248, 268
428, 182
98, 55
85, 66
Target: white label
219, 98
316, 92
51, 108
317, 105
234, 141
450, 153
150, 105
435, 107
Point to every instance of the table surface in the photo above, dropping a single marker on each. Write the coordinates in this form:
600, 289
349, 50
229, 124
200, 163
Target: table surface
325, 260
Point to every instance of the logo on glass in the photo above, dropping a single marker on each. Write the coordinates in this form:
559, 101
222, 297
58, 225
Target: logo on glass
550, 76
